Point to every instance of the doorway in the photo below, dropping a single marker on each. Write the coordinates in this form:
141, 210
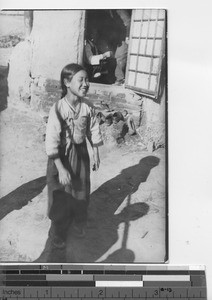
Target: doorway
105, 39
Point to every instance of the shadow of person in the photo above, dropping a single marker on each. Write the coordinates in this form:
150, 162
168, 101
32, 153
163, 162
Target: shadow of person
102, 227
3, 87
131, 212
21, 196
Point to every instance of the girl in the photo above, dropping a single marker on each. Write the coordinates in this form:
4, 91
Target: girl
71, 120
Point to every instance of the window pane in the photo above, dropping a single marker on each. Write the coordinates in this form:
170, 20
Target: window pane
144, 64
147, 14
142, 81
136, 29
152, 26
131, 78
162, 14
150, 45
160, 27
132, 64
154, 13
138, 14
144, 29
135, 44
158, 45
155, 67
142, 46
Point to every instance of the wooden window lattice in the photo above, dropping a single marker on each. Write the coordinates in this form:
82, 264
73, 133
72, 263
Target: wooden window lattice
146, 51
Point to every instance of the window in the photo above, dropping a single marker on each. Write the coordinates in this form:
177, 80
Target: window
146, 51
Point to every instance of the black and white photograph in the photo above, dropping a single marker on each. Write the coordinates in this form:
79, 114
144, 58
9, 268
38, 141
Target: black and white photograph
83, 136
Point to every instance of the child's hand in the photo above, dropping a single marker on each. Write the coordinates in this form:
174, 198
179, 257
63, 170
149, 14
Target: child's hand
107, 54
64, 176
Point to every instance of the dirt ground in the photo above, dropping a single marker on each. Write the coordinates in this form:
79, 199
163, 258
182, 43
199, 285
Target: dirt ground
127, 212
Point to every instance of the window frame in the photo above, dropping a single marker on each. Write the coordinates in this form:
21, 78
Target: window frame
146, 92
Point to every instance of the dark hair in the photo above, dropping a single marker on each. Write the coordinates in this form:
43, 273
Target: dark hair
68, 72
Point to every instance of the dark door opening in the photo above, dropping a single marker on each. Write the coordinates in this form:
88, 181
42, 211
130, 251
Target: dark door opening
106, 45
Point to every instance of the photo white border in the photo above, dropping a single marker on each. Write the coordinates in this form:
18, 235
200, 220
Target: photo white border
189, 114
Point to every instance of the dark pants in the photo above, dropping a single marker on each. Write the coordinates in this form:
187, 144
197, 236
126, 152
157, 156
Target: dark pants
69, 203
64, 210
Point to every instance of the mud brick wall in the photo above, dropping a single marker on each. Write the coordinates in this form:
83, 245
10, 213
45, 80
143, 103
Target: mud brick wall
44, 94
117, 99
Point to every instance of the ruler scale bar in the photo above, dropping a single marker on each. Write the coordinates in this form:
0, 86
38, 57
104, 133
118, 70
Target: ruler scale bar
54, 292
102, 282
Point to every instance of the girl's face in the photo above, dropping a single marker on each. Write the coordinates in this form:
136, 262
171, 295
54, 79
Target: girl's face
79, 84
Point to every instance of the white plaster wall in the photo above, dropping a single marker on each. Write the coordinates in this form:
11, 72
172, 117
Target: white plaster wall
56, 41
19, 80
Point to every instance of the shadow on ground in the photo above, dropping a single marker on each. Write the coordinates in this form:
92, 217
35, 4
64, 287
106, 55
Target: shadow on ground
3, 87
102, 228
21, 196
